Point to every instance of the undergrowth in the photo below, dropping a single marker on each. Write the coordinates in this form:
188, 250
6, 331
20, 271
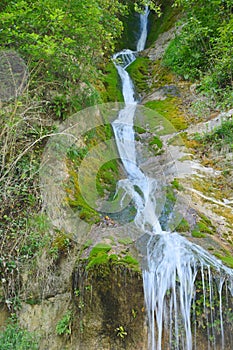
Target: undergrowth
13, 337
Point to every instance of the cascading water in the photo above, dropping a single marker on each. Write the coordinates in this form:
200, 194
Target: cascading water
177, 271
124, 134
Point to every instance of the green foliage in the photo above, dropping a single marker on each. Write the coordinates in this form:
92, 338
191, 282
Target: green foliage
15, 338
63, 326
220, 137
203, 49
162, 23
55, 31
65, 45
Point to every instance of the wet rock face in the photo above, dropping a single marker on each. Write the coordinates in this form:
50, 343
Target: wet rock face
102, 308
109, 309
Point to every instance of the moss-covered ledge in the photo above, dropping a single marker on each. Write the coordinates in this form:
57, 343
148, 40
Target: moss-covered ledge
107, 292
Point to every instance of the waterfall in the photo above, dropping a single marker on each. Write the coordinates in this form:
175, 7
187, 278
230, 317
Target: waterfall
143, 30
174, 266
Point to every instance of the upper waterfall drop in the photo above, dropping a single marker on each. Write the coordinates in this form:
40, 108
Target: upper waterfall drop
143, 30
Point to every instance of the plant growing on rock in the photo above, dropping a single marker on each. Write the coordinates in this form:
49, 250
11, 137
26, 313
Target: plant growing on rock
121, 332
63, 326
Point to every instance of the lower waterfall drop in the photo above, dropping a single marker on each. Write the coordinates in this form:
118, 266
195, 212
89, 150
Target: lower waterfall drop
184, 286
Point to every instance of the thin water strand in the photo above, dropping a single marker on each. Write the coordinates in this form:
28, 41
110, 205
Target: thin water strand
143, 29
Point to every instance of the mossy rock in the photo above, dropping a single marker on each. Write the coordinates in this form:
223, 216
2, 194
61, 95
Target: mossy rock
111, 85
176, 184
106, 178
139, 71
125, 241
170, 109
99, 249
161, 75
203, 227
102, 256
156, 141
183, 226
198, 234
227, 259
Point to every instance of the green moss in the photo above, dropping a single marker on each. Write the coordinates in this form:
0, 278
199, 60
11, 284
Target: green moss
183, 226
139, 129
198, 234
175, 184
206, 220
139, 71
113, 257
99, 249
228, 260
87, 244
76, 200
156, 141
169, 109
100, 257
202, 228
205, 225
125, 241
111, 85
129, 261
61, 241
107, 177
161, 75
156, 145
170, 195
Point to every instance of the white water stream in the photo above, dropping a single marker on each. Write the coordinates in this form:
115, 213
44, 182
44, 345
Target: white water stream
175, 266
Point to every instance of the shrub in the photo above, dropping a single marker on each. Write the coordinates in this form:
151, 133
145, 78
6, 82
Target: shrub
15, 338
